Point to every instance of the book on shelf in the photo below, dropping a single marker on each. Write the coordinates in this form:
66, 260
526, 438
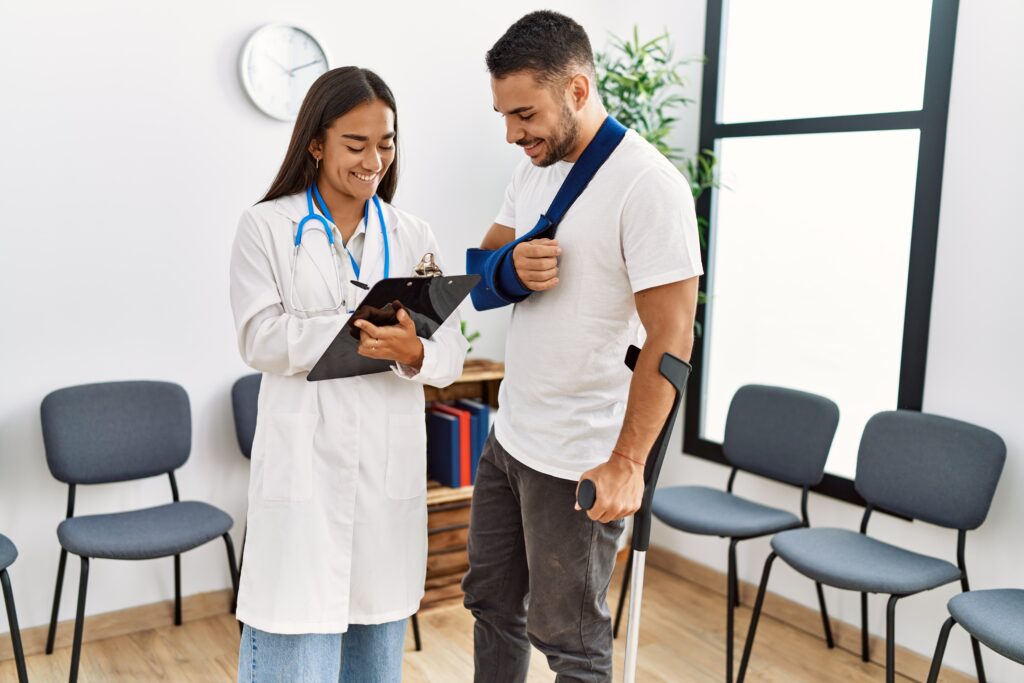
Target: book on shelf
443, 451
456, 455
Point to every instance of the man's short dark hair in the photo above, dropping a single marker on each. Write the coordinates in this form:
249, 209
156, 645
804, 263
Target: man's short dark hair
549, 44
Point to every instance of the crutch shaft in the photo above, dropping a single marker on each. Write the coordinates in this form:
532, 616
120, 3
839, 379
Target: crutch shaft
636, 591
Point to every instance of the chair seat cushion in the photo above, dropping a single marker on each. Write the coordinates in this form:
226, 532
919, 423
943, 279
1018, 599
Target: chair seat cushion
713, 512
995, 617
8, 553
144, 534
852, 561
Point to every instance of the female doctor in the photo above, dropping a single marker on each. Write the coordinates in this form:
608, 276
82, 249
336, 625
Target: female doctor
335, 553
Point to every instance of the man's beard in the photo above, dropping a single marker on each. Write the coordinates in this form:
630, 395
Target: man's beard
564, 140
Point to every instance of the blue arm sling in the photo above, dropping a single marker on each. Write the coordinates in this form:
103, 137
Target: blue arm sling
499, 284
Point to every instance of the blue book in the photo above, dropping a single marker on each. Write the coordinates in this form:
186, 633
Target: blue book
443, 448
481, 416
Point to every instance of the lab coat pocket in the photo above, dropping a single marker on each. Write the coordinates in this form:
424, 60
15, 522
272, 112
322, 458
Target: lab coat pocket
406, 475
288, 456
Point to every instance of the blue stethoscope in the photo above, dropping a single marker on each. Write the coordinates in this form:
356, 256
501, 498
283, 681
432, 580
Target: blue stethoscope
312, 215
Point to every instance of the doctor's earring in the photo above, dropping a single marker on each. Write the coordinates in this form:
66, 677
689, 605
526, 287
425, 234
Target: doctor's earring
317, 163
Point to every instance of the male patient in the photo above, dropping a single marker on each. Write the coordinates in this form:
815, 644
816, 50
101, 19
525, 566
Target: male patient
626, 254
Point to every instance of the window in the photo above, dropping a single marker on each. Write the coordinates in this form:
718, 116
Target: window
829, 123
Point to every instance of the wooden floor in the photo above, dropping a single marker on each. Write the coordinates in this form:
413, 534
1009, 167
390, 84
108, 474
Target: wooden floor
682, 639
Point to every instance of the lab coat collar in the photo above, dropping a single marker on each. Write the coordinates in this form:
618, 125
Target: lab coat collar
294, 208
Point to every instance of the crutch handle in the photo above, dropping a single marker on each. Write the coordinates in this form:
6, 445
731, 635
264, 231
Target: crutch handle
586, 496
676, 371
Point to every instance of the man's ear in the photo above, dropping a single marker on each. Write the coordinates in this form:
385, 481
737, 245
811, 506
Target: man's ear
579, 90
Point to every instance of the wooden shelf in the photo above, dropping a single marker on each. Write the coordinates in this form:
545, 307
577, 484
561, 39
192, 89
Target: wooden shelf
440, 495
480, 370
447, 532
480, 381
448, 508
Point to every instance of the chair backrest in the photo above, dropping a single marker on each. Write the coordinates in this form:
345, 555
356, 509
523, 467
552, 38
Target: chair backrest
928, 467
780, 433
116, 431
245, 396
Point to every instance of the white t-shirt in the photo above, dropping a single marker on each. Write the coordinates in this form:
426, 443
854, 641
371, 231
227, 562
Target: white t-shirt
564, 394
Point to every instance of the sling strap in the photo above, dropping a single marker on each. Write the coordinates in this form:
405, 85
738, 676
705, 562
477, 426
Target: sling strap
499, 283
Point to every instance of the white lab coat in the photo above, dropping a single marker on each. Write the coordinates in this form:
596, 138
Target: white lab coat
337, 520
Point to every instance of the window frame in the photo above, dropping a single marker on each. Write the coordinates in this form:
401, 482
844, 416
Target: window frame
930, 120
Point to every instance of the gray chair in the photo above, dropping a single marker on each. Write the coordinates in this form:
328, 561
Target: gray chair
782, 434
994, 617
920, 466
245, 396
8, 554
114, 432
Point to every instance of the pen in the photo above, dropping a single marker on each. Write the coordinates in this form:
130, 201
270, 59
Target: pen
359, 284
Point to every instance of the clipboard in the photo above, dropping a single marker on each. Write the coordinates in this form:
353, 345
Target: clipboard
429, 301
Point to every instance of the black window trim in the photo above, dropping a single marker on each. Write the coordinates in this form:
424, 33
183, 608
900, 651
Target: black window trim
931, 120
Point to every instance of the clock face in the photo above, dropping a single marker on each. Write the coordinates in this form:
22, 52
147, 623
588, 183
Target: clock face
278, 65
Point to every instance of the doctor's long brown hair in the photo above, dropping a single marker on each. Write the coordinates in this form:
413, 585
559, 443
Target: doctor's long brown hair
335, 93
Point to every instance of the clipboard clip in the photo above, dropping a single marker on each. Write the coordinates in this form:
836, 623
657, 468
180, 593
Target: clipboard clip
427, 267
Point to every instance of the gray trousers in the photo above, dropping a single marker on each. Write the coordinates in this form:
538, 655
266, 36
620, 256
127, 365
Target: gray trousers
538, 573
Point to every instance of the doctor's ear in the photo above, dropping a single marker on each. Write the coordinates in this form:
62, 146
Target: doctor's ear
316, 148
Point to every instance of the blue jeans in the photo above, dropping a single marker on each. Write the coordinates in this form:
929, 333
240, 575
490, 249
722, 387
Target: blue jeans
364, 654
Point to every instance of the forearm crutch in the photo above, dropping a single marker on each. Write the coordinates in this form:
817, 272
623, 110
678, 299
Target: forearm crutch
676, 371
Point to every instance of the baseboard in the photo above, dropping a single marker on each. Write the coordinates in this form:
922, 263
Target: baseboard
121, 622
846, 636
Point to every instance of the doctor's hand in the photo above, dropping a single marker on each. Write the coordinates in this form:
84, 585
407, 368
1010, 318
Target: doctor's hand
391, 342
620, 489
536, 263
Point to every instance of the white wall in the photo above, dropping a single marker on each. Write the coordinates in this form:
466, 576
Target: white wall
974, 367
129, 151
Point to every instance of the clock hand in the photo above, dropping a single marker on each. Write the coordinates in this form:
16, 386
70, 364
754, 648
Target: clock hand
279, 64
303, 66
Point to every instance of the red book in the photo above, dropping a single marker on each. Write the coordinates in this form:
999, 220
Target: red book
465, 441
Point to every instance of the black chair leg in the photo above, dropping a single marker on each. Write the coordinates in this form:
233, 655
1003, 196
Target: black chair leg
12, 622
241, 559
965, 586
978, 665
730, 609
755, 617
865, 653
177, 590
940, 650
626, 575
233, 569
76, 646
416, 632
824, 616
735, 575
52, 633
890, 639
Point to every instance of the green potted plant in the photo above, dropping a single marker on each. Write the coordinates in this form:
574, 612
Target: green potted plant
471, 337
